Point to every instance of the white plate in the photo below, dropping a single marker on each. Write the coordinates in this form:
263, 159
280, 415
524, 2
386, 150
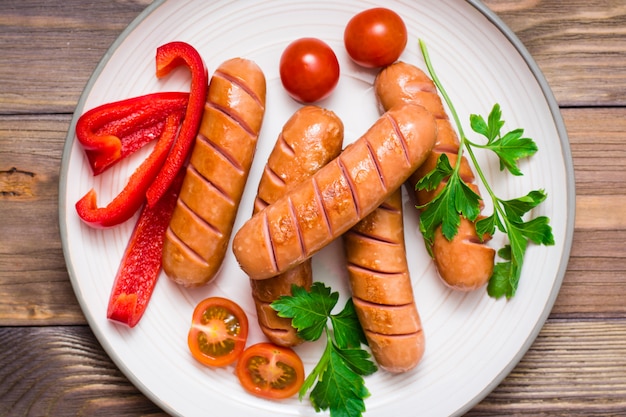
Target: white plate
473, 341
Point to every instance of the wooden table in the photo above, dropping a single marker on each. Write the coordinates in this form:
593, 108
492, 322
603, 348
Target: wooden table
50, 362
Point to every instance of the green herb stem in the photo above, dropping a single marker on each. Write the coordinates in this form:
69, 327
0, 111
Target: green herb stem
463, 141
455, 116
507, 214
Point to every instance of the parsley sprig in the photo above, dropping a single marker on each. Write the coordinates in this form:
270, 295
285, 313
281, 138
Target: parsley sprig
339, 373
457, 198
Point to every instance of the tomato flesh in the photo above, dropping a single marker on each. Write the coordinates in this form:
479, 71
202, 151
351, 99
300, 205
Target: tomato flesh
309, 70
375, 37
270, 371
218, 332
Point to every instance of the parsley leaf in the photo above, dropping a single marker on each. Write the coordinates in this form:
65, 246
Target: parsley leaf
337, 379
441, 172
309, 310
339, 389
347, 328
458, 199
490, 129
517, 207
509, 147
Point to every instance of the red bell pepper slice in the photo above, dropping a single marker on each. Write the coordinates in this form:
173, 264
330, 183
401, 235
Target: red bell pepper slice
168, 57
127, 202
111, 132
141, 264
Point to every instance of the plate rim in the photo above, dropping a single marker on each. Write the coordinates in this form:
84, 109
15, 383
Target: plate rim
556, 117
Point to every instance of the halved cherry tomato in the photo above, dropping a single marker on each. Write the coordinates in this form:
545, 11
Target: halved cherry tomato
218, 333
309, 70
270, 371
375, 37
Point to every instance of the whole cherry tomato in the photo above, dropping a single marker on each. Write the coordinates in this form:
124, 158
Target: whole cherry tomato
375, 37
270, 371
218, 333
309, 70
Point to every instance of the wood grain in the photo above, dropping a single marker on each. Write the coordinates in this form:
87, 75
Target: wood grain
64, 371
579, 45
34, 284
49, 49
574, 368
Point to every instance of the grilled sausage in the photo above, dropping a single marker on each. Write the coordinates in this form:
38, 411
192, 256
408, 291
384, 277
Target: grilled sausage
465, 262
197, 237
337, 196
381, 287
310, 139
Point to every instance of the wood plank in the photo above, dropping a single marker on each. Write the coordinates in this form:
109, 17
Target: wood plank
600, 212
573, 368
594, 283
579, 45
50, 52
597, 140
63, 371
36, 286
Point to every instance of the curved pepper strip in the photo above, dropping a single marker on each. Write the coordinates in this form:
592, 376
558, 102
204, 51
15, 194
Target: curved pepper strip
168, 57
141, 264
111, 132
130, 199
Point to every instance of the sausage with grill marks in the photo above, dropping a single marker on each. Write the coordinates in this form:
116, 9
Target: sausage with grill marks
465, 262
311, 138
339, 195
381, 287
197, 237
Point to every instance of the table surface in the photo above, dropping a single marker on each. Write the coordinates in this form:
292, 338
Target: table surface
50, 361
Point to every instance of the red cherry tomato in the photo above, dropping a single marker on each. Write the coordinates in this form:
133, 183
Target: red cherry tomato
309, 70
218, 333
375, 37
270, 371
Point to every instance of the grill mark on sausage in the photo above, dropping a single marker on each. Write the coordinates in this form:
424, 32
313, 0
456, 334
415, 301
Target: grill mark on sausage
474, 240
222, 152
446, 149
259, 203
320, 203
344, 172
395, 335
372, 153
403, 142
211, 184
231, 111
373, 238
286, 146
195, 216
377, 305
356, 267
388, 207
238, 119
294, 219
178, 241
244, 86
271, 173
274, 329
268, 241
